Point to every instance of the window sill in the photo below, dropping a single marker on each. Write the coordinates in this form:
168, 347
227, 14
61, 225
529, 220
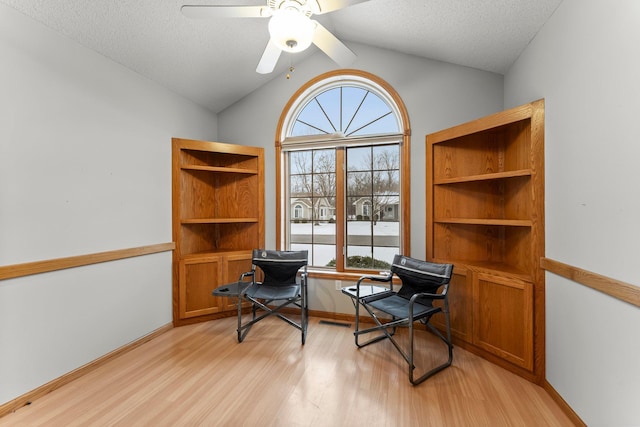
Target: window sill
340, 275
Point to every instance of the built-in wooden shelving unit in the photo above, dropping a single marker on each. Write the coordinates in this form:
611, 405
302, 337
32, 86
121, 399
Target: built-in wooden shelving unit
485, 214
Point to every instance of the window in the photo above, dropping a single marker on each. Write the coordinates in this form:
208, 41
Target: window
343, 149
297, 211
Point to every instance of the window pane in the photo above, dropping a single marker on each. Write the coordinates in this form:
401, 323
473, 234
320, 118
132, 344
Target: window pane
384, 257
352, 98
301, 247
312, 121
387, 182
329, 102
323, 256
301, 232
386, 157
360, 233
359, 159
386, 124
370, 114
300, 184
360, 257
327, 211
324, 184
324, 160
359, 184
300, 162
381, 244
324, 232
319, 255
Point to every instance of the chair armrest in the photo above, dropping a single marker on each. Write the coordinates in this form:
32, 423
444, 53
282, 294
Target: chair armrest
246, 274
378, 278
252, 275
374, 278
429, 295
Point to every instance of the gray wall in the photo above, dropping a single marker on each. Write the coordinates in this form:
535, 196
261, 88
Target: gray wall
586, 64
84, 167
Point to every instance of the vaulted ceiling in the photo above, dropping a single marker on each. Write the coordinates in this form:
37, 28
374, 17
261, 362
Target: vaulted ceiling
213, 61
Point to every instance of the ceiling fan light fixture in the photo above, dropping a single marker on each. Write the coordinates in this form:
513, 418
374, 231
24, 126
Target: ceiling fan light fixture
291, 30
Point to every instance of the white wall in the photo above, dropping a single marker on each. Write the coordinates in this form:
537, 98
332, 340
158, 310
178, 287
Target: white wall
84, 167
586, 64
437, 95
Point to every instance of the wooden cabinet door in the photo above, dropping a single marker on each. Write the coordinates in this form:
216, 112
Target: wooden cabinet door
234, 266
503, 318
460, 306
198, 277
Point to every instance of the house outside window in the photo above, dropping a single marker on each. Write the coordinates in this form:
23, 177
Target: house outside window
343, 149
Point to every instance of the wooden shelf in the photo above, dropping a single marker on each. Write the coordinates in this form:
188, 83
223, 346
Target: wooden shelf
490, 123
218, 169
483, 177
497, 268
219, 220
216, 252
478, 221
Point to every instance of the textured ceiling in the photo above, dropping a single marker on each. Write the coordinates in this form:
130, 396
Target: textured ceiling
213, 61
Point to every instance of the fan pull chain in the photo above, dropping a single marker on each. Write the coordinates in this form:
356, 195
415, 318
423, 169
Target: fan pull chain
291, 68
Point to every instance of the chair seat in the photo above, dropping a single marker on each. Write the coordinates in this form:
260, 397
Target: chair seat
399, 307
267, 292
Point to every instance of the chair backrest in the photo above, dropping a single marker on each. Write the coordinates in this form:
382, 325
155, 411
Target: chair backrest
279, 267
420, 276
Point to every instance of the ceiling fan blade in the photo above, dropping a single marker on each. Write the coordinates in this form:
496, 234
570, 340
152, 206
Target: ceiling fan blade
333, 47
326, 6
204, 12
269, 58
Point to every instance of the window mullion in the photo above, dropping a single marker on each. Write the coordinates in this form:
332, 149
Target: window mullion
340, 208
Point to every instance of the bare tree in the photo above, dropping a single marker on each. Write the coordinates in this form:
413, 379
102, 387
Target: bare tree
316, 178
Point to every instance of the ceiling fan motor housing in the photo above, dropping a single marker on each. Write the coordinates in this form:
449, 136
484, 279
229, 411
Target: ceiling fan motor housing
305, 7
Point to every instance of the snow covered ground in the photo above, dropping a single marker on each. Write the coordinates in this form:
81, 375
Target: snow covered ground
385, 233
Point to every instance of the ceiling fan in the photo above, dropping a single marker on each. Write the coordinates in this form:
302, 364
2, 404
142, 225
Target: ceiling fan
291, 28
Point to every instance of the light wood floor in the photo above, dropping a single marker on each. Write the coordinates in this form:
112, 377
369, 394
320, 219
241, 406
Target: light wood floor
199, 375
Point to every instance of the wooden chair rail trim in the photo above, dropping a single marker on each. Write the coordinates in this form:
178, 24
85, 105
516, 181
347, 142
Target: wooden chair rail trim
612, 287
37, 267
30, 396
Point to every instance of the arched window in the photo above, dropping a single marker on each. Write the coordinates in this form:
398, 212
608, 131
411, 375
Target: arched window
342, 145
297, 211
